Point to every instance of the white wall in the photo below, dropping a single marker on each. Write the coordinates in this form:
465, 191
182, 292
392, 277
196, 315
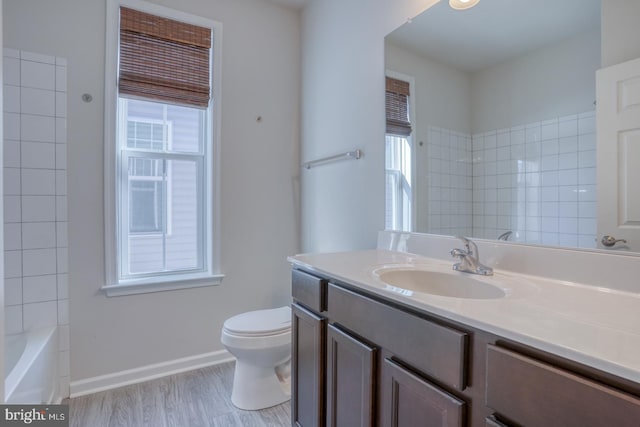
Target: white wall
261, 77
442, 93
553, 81
343, 109
620, 31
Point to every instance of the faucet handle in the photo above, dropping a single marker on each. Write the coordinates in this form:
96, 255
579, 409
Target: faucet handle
457, 253
469, 245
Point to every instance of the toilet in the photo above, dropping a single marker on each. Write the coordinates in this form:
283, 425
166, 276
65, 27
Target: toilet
261, 343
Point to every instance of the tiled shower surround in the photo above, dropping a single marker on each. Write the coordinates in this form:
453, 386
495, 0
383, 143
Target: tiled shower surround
450, 181
35, 197
537, 181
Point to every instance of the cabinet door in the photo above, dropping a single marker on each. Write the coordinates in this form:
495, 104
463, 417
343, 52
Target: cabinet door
408, 400
307, 368
350, 380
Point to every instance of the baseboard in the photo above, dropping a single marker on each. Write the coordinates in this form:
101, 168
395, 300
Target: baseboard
146, 373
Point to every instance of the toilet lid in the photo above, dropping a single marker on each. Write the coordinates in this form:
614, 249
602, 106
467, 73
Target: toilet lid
260, 322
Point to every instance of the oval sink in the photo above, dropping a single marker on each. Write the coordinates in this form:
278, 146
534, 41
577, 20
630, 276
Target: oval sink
437, 283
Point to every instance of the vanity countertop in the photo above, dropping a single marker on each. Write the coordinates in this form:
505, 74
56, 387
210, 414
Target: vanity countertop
596, 326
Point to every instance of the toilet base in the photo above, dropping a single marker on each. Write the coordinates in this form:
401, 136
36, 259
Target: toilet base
258, 387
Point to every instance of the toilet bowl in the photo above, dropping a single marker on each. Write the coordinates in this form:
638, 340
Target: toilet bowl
261, 343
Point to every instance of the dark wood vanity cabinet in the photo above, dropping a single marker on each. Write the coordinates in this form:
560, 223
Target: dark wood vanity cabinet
357, 361
362, 360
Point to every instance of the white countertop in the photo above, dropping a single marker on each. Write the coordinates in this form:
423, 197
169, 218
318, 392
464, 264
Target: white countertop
596, 326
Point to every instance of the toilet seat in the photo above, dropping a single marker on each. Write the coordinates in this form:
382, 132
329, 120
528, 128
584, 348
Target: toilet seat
259, 323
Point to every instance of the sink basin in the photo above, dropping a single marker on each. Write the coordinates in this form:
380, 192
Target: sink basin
454, 285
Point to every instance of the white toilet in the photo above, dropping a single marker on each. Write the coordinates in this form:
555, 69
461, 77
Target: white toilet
261, 343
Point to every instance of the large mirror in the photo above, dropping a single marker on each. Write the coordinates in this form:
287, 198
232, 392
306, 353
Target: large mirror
501, 105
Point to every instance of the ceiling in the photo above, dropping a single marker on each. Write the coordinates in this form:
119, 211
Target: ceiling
494, 30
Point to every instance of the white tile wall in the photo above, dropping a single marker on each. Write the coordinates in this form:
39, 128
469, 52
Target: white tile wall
13, 319
38, 155
35, 201
37, 75
11, 152
38, 182
13, 291
37, 128
11, 184
536, 180
12, 236
39, 289
63, 286
38, 208
40, 314
12, 264
11, 126
36, 262
38, 102
449, 182
544, 190
39, 235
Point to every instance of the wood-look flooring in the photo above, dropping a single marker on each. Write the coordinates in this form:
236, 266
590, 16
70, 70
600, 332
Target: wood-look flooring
192, 399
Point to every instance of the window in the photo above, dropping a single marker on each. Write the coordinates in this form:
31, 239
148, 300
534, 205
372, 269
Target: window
398, 183
398, 157
162, 154
146, 196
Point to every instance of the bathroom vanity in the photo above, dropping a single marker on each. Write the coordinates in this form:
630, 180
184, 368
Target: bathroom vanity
373, 348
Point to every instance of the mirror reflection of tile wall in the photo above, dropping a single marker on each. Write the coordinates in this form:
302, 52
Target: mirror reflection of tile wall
450, 182
509, 180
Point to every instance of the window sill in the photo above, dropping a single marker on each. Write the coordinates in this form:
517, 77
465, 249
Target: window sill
143, 286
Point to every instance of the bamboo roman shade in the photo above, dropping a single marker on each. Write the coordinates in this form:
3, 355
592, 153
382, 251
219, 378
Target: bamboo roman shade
163, 59
397, 107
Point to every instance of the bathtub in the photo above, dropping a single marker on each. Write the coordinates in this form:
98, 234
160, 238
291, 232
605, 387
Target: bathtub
31, 367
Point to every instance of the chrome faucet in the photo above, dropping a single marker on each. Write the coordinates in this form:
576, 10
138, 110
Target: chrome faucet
469, 259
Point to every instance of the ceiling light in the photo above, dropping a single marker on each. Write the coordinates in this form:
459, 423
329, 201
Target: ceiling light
462, 4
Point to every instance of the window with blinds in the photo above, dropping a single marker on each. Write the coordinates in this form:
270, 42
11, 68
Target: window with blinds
398, 161
164, 142
163, 59
397, 107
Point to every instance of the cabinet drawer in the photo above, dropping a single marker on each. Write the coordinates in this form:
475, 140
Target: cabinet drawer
309, 290
537, 394
436, 350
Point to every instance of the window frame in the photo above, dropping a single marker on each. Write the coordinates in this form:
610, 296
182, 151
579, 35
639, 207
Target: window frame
211, 274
